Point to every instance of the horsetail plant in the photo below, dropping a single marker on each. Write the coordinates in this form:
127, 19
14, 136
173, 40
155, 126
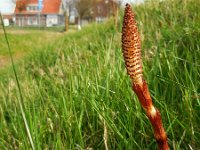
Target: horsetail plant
131, 47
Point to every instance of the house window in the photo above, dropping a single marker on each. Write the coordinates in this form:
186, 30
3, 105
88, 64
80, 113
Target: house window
99, 10
35, 8
32, 21
100, 19
32, 8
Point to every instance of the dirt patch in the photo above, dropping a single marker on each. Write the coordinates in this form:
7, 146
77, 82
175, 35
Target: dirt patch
3, 61
6, 61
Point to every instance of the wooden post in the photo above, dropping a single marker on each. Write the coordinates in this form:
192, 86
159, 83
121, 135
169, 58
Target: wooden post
66, 22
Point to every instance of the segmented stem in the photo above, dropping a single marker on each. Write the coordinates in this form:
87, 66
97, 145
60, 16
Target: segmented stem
131, 46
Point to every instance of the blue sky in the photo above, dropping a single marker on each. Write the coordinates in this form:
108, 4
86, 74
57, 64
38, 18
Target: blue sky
7, 6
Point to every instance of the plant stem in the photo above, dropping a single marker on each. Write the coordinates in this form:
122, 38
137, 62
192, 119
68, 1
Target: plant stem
152, 113
20, 100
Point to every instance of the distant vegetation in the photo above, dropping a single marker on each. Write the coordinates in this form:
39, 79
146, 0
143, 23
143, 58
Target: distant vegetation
77, 94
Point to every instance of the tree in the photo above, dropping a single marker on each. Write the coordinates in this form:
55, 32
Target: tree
68, 6
84, 8
115, 6
21, 5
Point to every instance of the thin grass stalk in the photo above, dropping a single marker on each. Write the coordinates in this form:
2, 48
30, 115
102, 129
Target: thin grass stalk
131, 46
20, 100
105, 134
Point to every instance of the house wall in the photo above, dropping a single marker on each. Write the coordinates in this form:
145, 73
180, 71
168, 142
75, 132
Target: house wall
8, 19
51, 20
30, 20
61, 20
54, 20
47, 20
6, 22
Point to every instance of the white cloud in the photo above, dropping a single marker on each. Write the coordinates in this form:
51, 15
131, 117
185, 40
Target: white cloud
7, 6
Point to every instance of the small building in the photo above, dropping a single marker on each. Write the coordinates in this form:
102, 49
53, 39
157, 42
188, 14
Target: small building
102, 9
8, 19
48, 13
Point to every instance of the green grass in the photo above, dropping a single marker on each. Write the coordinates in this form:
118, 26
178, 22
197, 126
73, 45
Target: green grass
23, 42
75, 88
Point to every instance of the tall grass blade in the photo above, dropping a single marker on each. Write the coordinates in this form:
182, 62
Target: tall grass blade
20, 100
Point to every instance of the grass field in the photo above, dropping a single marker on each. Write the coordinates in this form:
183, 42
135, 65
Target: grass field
75, 92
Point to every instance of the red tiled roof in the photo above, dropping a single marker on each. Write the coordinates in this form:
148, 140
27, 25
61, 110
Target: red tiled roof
32, 1
49, 7
28, 2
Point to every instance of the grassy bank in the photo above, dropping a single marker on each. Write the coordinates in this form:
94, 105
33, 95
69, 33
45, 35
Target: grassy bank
77, 94
23, 42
